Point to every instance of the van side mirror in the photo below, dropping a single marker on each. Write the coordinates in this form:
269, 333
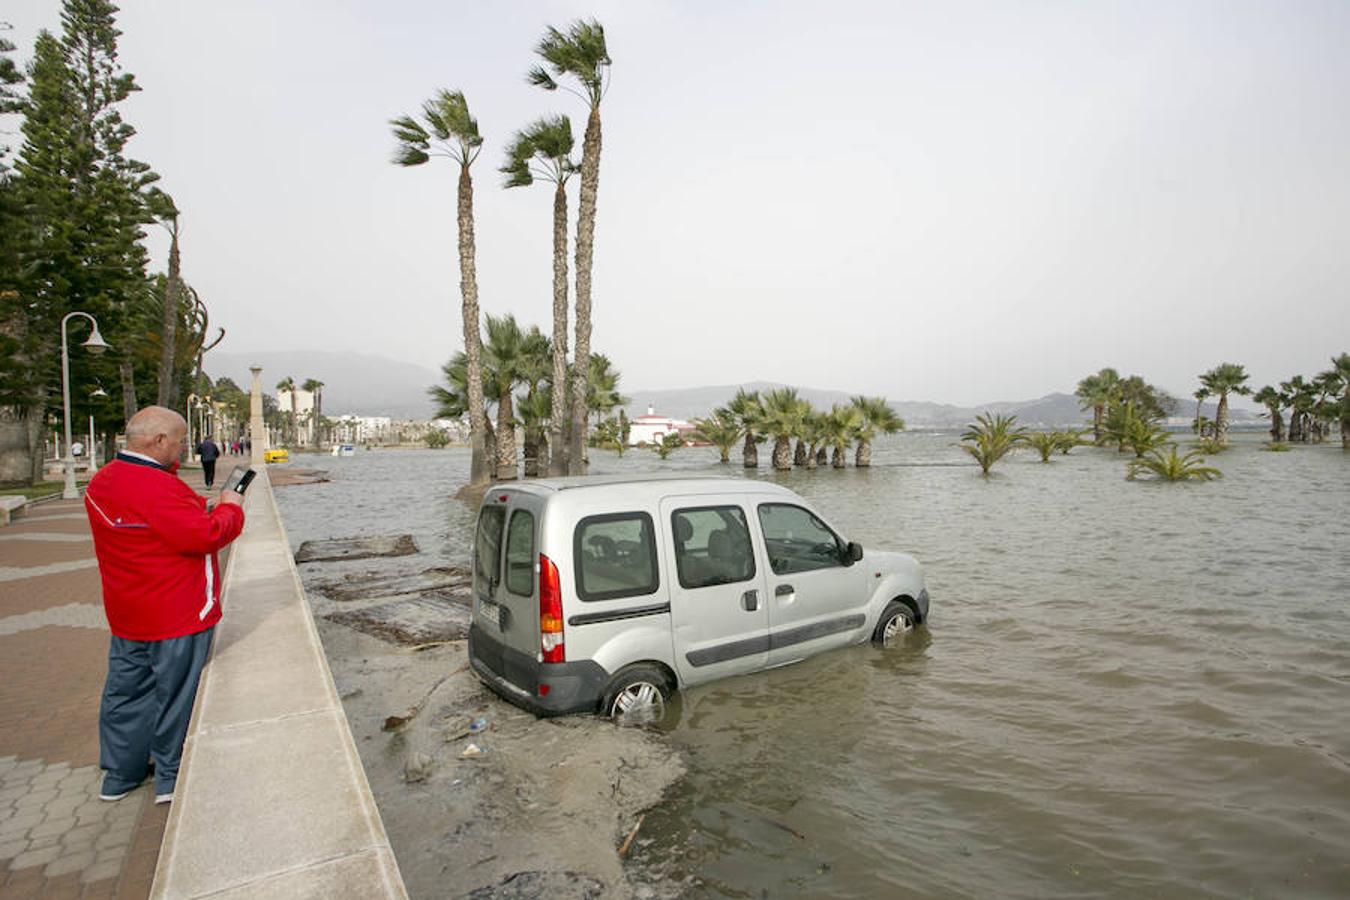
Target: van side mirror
853, 553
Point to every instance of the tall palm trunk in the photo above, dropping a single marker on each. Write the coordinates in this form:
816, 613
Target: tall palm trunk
295, 418
318, 417
1276, 424
838, 460
479, 466
799, 454
168, 328
590, 185
1221, 420
750, 452
862, 457
506, 438
1098, 414
557, 463
782, 453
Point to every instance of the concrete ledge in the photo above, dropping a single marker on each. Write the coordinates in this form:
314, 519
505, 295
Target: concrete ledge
11, 507
271, 800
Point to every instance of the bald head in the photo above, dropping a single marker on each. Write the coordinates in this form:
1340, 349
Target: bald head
156, 432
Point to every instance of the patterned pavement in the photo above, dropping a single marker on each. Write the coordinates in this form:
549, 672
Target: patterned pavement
57, 839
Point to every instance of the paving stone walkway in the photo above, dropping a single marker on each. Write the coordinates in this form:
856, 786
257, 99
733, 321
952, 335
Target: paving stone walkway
57, 838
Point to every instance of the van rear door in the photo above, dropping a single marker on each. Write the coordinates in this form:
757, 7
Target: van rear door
506, 571
719, 610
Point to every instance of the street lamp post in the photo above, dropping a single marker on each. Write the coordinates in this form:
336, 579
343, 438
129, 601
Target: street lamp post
95, 345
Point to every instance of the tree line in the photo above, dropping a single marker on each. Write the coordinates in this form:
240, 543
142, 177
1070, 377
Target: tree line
74, 208
803, 436
513, 357
576, 60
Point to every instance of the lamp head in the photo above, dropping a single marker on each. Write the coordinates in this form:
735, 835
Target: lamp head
95, 345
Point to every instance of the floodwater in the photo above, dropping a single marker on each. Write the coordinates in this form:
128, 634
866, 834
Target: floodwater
1125, 688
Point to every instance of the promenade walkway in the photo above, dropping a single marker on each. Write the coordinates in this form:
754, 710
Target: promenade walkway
57, 839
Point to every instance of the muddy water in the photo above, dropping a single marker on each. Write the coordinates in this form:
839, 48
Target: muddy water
1125, 688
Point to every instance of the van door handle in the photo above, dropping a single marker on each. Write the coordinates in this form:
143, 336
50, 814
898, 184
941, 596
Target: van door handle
783, 590
750, 601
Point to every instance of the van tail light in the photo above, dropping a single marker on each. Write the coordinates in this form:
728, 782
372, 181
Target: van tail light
550, 612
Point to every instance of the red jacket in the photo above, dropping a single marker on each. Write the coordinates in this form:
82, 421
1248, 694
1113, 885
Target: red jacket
156, 546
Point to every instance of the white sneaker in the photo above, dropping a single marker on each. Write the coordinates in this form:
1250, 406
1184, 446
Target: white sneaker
164, 798
111, 798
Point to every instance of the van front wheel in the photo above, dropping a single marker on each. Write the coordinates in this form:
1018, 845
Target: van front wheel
637, 696
896, 621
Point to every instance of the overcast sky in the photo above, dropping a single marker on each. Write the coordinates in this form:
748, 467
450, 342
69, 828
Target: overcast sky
952, 201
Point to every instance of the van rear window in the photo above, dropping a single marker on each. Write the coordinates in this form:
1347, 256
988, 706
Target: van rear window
487, 548
615, 556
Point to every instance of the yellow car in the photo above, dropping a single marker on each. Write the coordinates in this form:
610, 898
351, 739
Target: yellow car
281, 454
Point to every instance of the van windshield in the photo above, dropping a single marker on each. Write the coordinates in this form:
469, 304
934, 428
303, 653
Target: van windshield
487, 549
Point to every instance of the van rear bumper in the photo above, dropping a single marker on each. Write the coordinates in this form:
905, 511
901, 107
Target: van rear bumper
572, 687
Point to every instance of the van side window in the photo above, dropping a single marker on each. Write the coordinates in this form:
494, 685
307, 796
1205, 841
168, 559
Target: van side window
487, 548
797, 541
615, 556
712, 546
520, 553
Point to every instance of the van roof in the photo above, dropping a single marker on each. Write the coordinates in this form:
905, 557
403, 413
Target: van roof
679, 483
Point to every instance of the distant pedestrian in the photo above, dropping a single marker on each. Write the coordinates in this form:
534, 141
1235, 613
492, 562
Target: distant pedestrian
208, 451
156, 541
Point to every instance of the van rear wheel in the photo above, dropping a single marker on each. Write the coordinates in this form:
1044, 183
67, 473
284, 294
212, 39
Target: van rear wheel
637, 696
896, 621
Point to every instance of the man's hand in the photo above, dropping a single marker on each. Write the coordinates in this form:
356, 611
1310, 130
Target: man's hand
231, 497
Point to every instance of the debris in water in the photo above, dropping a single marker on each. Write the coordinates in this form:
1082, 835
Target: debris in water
417, 768
788, 828
628, 841
478, 725
445, 582
418, 621
393, 723
471, 751
356, 548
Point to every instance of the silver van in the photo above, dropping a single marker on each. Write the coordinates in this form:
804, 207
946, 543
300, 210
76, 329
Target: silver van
605, 594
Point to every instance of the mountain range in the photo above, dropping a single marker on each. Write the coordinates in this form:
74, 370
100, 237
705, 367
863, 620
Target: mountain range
370, 385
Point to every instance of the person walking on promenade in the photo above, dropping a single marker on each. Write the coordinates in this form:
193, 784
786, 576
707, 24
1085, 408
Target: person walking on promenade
208, 451
156, 541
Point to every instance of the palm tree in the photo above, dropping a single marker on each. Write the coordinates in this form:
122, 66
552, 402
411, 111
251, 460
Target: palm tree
1273, 401
1043, 442
813, 434
581, 54
668, 443
315, 387
1341, 364
544, 150
1097, 392
1297, 395
1326, 405
722, 429
877, 418
450, 131
506, 364
452, 398
841, 427
536, 374
783, 415
1171, 467
602, 387
1224, 379
748, 408
288, 384
1198, 426
990, 438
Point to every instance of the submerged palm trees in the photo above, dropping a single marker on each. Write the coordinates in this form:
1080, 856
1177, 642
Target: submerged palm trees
1222, 380
991, 438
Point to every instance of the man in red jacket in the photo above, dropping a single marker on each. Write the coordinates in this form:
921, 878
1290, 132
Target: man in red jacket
156, 542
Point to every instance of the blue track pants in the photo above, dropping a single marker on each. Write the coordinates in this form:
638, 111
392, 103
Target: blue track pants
147, 701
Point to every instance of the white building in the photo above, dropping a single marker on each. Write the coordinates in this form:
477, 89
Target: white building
363, 429
651, 428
